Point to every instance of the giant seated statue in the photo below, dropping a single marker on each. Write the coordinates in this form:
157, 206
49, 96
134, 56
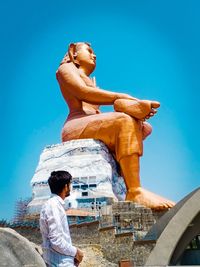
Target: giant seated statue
123, 130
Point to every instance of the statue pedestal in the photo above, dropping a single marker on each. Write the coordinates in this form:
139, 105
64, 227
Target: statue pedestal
95, 178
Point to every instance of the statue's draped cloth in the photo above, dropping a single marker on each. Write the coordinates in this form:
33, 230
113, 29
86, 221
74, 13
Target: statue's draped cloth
121, 133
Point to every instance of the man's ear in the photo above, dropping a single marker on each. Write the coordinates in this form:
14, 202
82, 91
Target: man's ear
72, 52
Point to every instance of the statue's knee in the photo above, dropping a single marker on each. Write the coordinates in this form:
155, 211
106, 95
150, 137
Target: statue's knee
124, 119
146, 129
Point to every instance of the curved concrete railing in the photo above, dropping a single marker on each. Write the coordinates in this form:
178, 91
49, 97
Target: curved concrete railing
171, 228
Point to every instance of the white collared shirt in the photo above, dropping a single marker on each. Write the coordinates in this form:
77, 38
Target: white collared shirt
55, 229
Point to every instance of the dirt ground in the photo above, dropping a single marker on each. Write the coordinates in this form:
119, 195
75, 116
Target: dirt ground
93, 257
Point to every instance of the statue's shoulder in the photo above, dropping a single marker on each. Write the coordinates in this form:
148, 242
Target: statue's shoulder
67, 67
67, 70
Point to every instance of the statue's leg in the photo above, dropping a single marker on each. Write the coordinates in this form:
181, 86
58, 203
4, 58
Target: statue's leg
121, 133
130, 170
137, 110
123, 136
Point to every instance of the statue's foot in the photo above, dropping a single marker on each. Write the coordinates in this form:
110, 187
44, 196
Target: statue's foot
155, 104
148, 199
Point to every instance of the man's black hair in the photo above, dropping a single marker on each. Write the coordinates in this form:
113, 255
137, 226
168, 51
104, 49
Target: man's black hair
58, 180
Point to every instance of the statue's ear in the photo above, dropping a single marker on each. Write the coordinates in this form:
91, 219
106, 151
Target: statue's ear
72, 52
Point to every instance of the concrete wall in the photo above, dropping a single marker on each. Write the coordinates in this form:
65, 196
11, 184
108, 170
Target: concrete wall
117, 247
85, 233
118, 241
32, 234
141, 251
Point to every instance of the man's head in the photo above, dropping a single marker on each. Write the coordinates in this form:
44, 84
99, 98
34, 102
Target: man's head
59, 183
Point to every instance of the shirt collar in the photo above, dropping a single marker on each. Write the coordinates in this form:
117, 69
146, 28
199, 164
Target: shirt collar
62, 202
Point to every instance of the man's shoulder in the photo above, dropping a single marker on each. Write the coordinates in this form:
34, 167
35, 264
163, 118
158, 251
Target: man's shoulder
47, 209
50, 203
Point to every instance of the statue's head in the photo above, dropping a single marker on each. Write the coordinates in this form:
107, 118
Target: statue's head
81, 54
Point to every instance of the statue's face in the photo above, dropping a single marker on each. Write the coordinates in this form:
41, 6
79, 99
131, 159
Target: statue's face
85, 57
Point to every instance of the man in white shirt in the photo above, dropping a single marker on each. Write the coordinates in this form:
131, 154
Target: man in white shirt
58, 250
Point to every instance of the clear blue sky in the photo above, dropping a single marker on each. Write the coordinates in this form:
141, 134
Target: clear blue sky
153, 49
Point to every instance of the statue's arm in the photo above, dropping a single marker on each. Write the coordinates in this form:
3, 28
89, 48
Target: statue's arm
71, 82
